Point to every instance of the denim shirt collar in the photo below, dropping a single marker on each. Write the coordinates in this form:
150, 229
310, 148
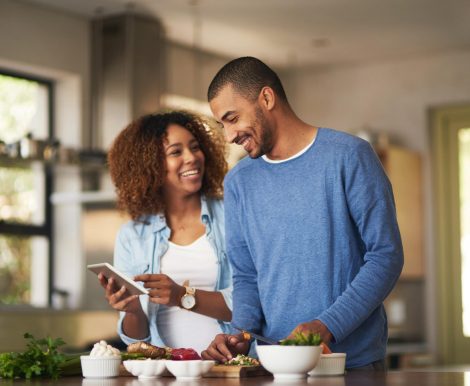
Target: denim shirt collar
159, 220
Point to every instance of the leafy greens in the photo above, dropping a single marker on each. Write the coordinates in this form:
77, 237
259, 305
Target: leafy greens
40, 359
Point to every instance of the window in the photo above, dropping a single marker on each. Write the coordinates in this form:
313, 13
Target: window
450, 140
25, 187
464, 184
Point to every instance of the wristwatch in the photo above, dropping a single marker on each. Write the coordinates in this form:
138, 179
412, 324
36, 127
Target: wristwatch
188, 300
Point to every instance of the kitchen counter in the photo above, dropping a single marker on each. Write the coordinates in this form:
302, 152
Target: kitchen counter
364, 378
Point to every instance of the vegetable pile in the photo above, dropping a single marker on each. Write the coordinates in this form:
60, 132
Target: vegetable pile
242, 360
41, 358
147, 350
301, 339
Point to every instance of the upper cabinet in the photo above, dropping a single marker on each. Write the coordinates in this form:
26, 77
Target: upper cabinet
404, 169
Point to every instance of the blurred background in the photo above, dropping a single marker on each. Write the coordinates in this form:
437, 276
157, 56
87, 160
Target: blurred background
74, 73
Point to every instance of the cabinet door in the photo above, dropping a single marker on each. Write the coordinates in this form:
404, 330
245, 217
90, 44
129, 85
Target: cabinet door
404, 170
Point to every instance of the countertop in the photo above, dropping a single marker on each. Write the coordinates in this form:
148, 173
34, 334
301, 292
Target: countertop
363, 378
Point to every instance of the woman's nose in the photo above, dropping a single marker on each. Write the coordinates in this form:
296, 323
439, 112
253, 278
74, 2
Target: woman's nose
189, 156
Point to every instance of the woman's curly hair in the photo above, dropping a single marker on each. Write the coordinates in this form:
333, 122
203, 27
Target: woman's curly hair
137, 162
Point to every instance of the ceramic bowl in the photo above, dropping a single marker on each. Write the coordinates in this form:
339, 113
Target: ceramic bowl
289, 362
146, 368
330, 364
100, 367
191, 369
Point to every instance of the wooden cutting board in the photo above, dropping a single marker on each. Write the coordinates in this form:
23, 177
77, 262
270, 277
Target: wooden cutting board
224, 371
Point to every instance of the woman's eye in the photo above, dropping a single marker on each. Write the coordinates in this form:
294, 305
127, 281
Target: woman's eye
175, 153
234, 120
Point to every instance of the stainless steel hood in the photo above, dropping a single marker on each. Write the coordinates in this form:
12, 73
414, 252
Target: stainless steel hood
127, 74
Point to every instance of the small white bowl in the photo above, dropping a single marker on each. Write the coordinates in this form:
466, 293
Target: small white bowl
100, 367
190, 369
330, 364
146, 368
288, 362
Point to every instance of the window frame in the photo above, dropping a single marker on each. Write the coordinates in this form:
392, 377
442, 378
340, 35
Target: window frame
46, 229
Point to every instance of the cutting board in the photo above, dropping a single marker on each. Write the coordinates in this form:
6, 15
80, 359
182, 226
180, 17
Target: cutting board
224, 371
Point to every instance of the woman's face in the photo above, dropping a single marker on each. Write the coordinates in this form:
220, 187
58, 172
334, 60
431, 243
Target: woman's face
184, 162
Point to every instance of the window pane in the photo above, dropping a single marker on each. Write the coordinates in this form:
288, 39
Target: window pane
23, 109
464, 167
22, 194
23, 270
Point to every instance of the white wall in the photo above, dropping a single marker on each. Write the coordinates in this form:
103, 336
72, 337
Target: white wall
392, 98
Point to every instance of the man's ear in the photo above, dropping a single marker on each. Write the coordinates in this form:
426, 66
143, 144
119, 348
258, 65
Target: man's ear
267, 97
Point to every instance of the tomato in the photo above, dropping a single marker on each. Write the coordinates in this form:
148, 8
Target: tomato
184, 354
326, 349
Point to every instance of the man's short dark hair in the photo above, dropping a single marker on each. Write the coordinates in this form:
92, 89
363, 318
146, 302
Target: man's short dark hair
247, 75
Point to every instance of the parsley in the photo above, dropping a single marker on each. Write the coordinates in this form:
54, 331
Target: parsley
301, 339
41, 359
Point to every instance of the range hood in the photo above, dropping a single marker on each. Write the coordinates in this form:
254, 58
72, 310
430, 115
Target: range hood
127, 73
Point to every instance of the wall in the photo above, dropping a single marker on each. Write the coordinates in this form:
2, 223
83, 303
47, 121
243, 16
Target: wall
189, 72
393, 98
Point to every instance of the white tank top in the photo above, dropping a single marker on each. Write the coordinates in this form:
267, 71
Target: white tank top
180, 328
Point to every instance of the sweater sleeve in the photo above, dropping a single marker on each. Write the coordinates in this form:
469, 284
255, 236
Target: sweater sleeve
247, 313
371, 205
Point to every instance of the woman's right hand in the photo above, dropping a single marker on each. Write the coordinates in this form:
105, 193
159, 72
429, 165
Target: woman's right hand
117, 298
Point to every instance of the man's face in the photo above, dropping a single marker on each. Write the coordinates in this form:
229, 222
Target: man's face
244, 122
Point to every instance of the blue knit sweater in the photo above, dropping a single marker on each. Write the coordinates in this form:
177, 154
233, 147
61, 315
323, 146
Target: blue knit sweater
315, 237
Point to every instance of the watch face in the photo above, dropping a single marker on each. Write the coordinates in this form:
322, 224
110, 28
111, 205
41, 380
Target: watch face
188, 301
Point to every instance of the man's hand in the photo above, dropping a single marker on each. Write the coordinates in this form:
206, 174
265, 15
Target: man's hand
315, 327
224, 347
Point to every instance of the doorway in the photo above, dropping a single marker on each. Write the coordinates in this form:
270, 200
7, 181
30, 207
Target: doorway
450, 144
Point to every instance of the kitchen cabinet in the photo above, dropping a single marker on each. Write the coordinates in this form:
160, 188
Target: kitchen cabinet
404, 169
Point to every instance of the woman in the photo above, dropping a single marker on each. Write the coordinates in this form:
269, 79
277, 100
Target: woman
168, 170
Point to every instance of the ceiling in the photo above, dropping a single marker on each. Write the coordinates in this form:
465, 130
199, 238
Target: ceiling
287, 33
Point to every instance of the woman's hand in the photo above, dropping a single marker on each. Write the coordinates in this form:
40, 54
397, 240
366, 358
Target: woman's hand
118, 299
162, 289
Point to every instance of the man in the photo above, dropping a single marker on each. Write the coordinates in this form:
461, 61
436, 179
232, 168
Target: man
310, 221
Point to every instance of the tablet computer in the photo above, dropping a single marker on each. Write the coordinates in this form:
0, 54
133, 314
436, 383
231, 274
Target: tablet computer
120, 279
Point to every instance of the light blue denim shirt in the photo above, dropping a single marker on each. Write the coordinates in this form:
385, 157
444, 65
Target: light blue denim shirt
140, 246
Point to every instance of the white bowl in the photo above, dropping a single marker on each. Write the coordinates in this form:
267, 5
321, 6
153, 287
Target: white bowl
330, 364
146, 368
100, 367
190, 369
288, 362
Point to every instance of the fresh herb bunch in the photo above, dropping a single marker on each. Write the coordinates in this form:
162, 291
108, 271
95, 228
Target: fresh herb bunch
41, 359
301, 339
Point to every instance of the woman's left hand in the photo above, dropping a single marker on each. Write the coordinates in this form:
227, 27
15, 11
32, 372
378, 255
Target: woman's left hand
162, 289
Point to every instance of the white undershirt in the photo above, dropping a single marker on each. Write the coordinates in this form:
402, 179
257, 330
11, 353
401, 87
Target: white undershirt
197, 262
272, 161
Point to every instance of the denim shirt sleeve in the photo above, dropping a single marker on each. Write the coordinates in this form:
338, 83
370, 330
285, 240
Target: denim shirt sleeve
124, 262
224, 284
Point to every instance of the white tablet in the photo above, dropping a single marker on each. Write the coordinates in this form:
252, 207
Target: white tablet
119, 278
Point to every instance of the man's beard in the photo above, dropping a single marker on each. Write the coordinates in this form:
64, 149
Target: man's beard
265, 134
